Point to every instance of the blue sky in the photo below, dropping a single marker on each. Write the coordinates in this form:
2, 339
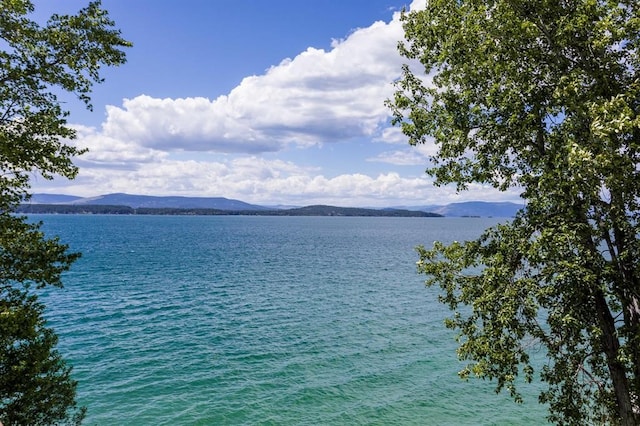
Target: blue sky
269, 102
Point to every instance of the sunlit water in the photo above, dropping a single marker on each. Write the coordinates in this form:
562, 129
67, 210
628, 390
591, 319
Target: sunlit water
264, 320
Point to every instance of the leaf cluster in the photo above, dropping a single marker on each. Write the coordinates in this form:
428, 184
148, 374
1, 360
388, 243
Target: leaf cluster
543, 96
36, 387
36, 383
65, 55
38, 62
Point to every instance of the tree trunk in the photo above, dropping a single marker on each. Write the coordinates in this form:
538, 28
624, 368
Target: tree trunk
634, 319
611, 347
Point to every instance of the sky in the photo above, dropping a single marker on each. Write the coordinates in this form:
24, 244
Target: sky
272, 102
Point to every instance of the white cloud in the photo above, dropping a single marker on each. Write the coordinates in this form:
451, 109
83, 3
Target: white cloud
400, 158
204, 147
418, 4
407, 155
259, 181
318, 96
392, 135
109, 152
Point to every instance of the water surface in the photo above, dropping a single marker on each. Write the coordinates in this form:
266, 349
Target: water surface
264, 320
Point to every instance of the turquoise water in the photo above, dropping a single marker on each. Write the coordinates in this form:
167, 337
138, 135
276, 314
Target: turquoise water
264, 320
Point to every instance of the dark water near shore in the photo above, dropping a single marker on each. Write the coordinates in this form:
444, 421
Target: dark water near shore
264, 320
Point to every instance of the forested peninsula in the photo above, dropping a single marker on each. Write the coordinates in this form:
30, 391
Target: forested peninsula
317, 210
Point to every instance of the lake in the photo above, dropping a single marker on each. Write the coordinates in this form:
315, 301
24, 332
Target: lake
243, 320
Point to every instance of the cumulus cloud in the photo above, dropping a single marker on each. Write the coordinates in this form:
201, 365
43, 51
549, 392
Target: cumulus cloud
254, 180
418, 155
400, 158
160, 146
109, 152
318, 96
391, 135
269, 182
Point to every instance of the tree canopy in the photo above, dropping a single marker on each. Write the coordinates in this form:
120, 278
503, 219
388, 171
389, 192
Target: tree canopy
37, 63
543, 96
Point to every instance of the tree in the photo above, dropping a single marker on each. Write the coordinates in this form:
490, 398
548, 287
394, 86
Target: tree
543, 96
38, 63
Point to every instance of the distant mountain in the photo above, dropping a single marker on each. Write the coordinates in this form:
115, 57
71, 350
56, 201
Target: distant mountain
322, 210
53, 199
476, 208
471, 208
147, 201
302, 211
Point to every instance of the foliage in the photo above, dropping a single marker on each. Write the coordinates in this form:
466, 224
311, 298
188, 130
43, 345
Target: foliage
37, 63
35, 380
544, 96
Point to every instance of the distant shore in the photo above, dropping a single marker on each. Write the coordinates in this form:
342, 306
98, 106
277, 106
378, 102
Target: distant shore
318, 210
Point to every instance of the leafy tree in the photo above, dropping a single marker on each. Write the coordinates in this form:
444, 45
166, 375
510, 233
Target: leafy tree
543, 96
37, 63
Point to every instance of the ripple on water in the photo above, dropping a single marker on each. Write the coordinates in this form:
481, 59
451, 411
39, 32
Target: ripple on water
247, 320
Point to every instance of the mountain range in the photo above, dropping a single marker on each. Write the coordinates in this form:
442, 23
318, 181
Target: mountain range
471, 208
147, 201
